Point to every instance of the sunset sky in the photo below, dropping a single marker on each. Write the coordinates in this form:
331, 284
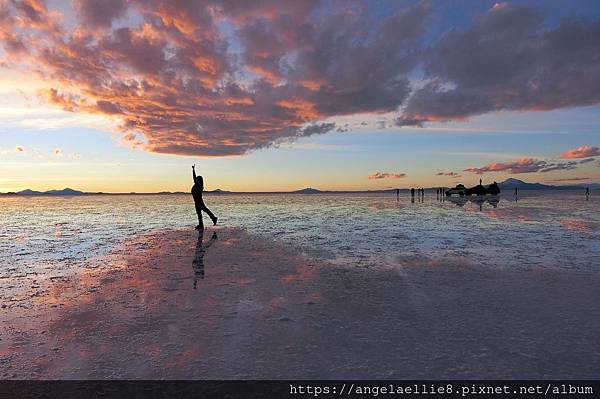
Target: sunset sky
278, 95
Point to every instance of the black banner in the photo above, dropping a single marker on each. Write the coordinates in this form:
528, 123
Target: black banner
299, 389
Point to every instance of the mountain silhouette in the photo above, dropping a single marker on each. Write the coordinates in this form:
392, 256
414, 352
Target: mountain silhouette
308, 190
64, 191
511, 183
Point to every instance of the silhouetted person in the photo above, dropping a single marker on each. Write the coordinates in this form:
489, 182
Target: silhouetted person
412, 192
587, 192
398, 194
480, 181
197, 190
198, 262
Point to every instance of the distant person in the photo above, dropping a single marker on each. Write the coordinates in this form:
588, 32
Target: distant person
516, 191
397, 193
480, 181
197, 190
412, 192
587, 192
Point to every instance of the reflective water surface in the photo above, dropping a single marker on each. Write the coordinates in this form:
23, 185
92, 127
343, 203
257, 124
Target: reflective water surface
124, 287
60, 235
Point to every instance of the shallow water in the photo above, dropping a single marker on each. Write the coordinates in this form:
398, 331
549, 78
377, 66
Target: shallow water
58, 236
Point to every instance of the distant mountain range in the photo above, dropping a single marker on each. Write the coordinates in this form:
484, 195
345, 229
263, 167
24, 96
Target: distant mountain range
511, 183
64, 191
507, 185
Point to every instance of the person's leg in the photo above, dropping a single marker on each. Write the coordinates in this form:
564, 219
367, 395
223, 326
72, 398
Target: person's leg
199, 212
210, 214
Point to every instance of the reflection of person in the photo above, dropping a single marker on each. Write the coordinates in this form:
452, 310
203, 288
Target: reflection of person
197, 190
198, 262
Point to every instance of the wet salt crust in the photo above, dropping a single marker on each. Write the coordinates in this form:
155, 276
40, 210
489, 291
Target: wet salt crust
261, 309
51, 237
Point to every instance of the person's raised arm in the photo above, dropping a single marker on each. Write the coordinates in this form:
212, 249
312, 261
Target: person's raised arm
194, 172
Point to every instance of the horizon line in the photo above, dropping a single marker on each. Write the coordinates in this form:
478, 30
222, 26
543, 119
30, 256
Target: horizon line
221, 191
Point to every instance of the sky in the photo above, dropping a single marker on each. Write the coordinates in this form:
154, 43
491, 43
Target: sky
266, 95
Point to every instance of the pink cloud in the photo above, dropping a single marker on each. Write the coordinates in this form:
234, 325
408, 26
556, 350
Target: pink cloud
168, 71
386, 175
525, 165
584, 151
173, 79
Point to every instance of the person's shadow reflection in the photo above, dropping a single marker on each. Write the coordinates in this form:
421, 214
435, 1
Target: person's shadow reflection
198, 262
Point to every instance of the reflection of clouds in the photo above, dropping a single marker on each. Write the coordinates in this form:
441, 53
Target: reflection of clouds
303, 272
581, 226
521, 215
142, 319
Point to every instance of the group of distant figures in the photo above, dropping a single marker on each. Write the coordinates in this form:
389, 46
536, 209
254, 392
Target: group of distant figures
419, 193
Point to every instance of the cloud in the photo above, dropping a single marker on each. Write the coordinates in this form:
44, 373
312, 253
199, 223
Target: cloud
169, 72
572, 179
508, 60
550, 167
100, 14
584, 151
524, 165
449, 174
19, 149
217, 78
405, 120
386, 175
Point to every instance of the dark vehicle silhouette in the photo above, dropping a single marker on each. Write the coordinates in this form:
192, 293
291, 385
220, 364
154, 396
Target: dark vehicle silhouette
480, 189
